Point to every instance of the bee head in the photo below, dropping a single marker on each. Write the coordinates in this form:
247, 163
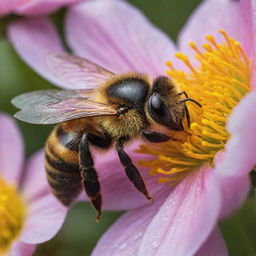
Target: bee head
161, 113
165, 105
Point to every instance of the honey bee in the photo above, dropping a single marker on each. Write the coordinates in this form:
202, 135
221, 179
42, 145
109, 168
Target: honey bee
112, 110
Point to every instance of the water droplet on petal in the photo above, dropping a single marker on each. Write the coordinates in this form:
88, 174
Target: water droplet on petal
122, 246
155, 244
138, 235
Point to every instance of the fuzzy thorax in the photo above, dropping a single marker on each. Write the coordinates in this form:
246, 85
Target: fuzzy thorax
220, 81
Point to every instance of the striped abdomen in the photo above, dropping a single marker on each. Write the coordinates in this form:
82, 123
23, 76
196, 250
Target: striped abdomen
62, 164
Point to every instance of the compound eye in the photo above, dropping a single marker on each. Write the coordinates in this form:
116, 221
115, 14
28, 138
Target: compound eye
158, 110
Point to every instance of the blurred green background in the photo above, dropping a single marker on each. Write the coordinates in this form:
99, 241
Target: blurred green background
80, 233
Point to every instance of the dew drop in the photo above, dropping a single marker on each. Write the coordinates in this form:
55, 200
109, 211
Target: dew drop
122, 246
138, 235
155, 244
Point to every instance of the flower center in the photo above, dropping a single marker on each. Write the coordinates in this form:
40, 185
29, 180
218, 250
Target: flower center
12, 214
219, 83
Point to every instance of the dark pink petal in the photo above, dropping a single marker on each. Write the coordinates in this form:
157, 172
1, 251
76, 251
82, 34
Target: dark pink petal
187, 217
34, 39
34, 180
45, 217
11, 150
6, 6
117, 191
42, 7
22, 249
235, 17
214, 245
124, 237
117, 36
240, 157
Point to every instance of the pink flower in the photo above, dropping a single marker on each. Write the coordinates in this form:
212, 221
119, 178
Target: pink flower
32, 7
212, 166
29, 213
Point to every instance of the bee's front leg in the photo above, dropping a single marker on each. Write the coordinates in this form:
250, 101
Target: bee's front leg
156, 137
131, 170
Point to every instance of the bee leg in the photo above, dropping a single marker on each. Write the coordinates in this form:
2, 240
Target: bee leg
89, 175
156, 137
187, 115
131, 171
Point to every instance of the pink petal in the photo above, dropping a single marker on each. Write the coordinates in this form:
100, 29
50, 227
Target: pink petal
214, 245
124, 237
42, 7
34, 39
7, 6
22, 249
45, 217
235, 17
253, 67
186, 218
234, 192
35, 174
234, 188
117, 191
11, 150
117, 36
240, 157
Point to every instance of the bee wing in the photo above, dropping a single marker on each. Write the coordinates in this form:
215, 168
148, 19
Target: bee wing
56, 106
31, 99
77, 71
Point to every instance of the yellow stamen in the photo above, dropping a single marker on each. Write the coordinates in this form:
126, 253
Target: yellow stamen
219, 83
12, 214
185, 59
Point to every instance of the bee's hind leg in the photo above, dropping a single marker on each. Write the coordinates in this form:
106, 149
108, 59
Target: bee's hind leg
89, 175
131, 170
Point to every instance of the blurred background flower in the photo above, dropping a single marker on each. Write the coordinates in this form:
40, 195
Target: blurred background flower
25, 80
32, 7
29, 213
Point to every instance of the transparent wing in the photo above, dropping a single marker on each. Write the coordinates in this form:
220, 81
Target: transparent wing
56, 106
77, 71
49, 96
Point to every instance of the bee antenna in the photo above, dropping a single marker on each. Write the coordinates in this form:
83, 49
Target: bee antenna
185, 106
187, 115
189, 99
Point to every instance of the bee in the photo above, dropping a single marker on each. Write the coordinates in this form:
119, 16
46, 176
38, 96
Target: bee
112, 110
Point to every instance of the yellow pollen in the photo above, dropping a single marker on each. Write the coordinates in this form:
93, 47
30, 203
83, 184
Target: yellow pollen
219, 82
12, 214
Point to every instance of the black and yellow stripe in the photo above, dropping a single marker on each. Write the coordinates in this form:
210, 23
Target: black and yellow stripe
62, 164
